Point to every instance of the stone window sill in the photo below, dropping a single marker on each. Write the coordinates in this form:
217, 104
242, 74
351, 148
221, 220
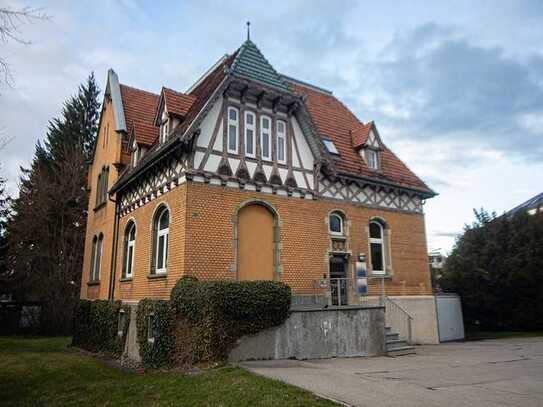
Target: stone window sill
94, 282
157, 276
99, 206
387, 276
126, 280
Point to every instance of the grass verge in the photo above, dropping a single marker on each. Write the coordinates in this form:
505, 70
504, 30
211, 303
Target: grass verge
39, 372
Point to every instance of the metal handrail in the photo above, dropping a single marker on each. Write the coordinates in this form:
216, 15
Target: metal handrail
407, 315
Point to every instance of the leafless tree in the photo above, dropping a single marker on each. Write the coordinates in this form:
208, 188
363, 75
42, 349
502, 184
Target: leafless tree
11, 21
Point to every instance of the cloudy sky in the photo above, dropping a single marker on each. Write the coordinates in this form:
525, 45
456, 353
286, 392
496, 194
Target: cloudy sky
455, 87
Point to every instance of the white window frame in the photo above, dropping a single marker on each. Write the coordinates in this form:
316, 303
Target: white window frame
131, 244
251, 127
150, 333
162, 233
381, 241
97, 263
232, 122
373, 162
268, 132
337, 215
282, 136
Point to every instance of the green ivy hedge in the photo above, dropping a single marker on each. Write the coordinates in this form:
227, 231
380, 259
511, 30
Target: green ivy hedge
160, 351
96, 326
217, 313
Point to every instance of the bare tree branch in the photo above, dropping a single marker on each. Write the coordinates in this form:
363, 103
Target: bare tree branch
10, 23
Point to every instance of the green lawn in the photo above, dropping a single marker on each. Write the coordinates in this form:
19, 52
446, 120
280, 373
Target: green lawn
39, 372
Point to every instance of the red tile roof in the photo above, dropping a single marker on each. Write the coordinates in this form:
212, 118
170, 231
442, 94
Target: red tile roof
177, 103
336, 122
360, 134
139, 114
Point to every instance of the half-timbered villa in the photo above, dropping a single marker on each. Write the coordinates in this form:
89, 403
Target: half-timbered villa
250, 175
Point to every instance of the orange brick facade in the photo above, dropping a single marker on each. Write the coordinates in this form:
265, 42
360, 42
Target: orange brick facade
202, 244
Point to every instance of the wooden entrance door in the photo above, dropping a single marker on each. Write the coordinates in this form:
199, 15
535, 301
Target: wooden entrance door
255, 243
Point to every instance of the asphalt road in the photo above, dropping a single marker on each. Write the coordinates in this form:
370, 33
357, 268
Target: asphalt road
504, 372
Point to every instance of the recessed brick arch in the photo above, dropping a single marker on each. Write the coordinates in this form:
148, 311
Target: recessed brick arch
275, 236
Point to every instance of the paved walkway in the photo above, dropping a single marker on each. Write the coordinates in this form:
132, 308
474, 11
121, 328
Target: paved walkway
504, 372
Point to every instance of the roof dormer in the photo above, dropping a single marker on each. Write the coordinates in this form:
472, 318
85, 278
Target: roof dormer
366, 140
171, 110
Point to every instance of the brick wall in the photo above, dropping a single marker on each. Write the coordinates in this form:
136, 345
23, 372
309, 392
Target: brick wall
201, 241
108, 152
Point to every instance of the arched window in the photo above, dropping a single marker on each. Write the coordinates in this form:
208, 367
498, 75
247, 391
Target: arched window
161, 228
336, 224
96, 257
377, 248
233, 130
129, 249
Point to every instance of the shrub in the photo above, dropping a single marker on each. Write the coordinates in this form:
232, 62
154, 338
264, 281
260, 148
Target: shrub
161, 351
95, 326
220, 312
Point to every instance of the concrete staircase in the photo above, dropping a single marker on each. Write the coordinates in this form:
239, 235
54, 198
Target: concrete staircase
396, 346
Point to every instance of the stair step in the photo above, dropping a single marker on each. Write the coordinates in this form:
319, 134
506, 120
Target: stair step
401, 351
397, 343
388, 329
392, 336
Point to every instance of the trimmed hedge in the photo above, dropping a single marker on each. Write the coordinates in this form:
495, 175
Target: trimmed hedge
161, 351
218, 313
96, 325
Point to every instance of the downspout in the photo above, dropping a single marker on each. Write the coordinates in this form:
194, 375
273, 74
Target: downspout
111, 295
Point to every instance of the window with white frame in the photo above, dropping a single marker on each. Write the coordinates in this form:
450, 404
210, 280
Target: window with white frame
281, 142
164, 127
336, 224
377, 248
161, 231
372, 158
233, 130
129, 249
265, 137
96, 257
135, 154
121, 323
250, 123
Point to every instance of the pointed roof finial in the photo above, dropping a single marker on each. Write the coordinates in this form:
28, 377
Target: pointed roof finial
248, 31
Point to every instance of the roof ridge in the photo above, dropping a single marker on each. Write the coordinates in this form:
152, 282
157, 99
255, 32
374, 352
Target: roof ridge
139, 90
306, 84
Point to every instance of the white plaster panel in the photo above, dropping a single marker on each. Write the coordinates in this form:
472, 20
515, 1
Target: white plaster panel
218, 141
303, 147
198, 156
234, 163
212, 163
208, 124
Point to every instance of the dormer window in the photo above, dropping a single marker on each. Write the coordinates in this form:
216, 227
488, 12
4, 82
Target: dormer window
372, 159
164, 128
164, 131
135, 154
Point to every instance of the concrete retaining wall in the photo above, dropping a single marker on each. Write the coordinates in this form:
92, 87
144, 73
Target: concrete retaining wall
313, 333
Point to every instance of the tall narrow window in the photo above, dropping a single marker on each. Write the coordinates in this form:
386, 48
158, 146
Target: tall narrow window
265, 137
336, 224
372, 159
96, 264
129, 248
250, 122
281, 142
161, 228
99, 190
233, 130
105, 178
377, 248
93, 257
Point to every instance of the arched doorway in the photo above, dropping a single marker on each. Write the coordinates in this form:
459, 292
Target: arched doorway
255, 243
